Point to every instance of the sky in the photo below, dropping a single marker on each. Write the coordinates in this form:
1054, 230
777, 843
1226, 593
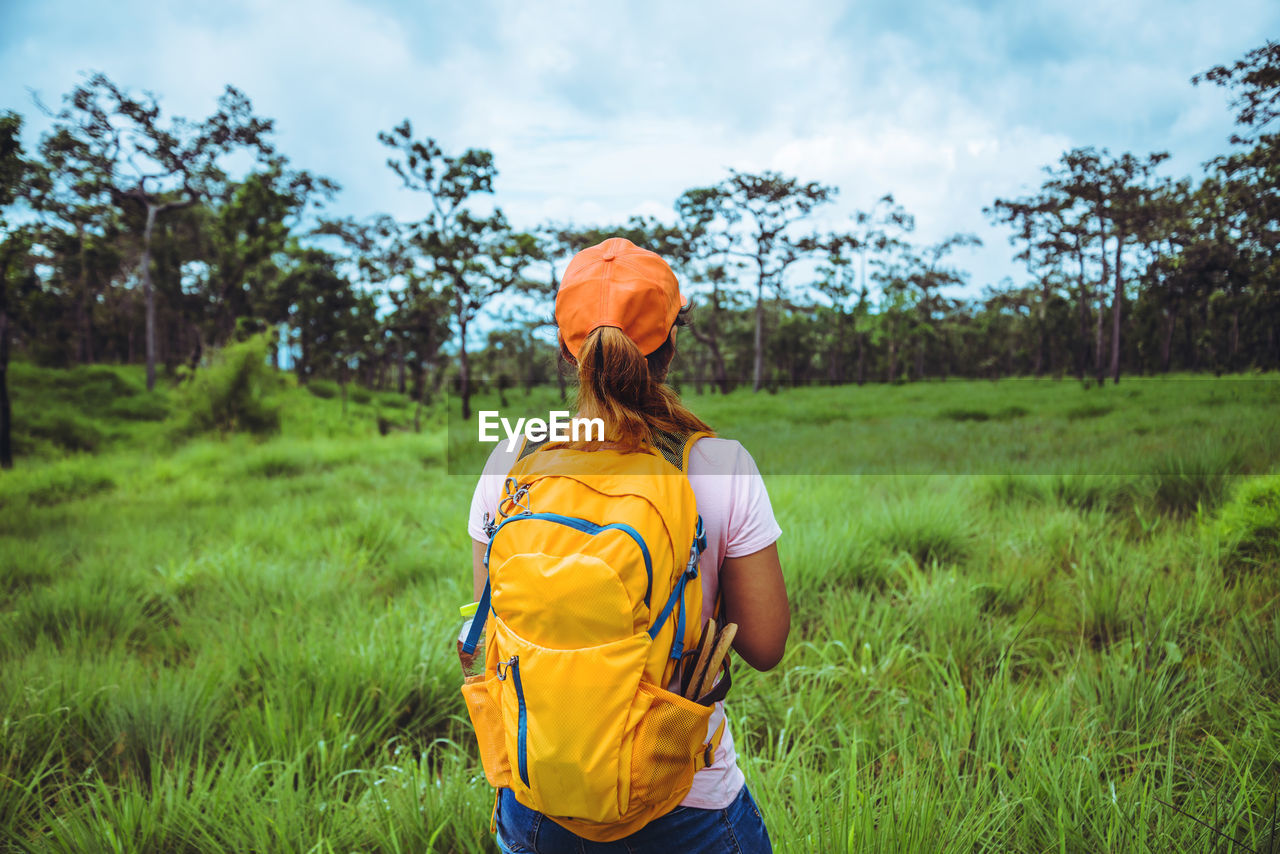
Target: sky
598, 111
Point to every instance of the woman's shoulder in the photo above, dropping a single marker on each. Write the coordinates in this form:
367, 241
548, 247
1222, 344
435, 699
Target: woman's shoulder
715, 455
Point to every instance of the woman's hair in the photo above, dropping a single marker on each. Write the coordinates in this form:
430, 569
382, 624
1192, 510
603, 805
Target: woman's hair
627, 390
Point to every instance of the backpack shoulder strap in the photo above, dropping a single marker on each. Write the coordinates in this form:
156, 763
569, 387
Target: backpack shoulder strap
675, 447
527, 448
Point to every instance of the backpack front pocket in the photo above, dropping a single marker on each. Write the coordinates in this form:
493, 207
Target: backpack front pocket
566, 715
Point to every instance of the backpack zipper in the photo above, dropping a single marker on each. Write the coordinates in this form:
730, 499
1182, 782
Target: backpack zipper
522, 719
589, 528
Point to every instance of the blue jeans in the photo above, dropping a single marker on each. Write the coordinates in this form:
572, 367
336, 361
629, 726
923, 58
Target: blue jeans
687, 830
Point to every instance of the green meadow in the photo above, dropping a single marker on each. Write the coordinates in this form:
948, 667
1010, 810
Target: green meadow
1027, 616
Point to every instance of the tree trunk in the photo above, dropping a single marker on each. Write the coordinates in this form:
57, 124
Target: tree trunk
464, 366
85, 351
418, 385
835, 372
1166, 339
1117, 301
6, 446
720, 373
1209, 331
1233, 361
1190, 350
757, 375
197, 352
862, 358
1082, 346
1099, 368
1037, 365
400, 365
148, 294
893, 356
1042, 355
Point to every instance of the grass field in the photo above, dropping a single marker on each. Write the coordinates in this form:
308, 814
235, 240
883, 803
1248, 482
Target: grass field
1026, 617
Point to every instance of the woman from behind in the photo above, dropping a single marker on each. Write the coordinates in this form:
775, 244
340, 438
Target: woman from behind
618, 310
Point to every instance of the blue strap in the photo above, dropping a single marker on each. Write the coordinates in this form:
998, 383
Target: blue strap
677, 645
666, 610
477, 622
677, 594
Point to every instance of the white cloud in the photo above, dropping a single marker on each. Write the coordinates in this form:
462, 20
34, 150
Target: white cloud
599, 111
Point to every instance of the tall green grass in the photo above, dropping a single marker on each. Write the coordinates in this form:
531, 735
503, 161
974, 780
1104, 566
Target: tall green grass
245, 644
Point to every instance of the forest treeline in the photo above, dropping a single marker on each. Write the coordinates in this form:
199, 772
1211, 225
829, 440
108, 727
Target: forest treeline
132, 236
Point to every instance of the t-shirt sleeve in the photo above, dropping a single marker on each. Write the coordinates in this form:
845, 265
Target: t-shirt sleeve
752, 525
488, 489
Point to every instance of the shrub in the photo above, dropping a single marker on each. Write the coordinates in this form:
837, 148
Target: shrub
1197, 478
143, 407
96, 386
67, 430
275, 465
960, 414
359, 394
1014, 489
1093, 491
393, 401
1088, 410
233, 393
1249, 524
929, 529
323, 389
68, 484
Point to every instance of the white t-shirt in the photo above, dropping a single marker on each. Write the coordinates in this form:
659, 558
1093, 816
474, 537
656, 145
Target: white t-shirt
738, 520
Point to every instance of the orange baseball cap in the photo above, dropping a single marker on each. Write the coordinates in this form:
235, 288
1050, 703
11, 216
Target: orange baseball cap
616, 283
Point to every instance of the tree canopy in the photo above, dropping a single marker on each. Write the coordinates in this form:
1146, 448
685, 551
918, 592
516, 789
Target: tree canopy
129, 236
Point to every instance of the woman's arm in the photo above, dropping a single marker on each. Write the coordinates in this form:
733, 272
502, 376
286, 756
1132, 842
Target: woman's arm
478, 575
755, 597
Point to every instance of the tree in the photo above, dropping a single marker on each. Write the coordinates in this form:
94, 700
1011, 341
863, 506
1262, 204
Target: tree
877, 231
1129, 191
708, 269
1248, 180
838, 282
1114, 194
246, 227
327, 312
1051, 236
15, 244
83, 228
1256, 77
927, 277
472, 256
156, 169
759, 211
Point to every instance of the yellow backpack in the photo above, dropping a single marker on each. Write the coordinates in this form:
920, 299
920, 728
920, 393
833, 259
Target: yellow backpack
592, 598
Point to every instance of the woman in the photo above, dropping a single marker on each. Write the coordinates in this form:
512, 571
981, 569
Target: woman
618, 309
